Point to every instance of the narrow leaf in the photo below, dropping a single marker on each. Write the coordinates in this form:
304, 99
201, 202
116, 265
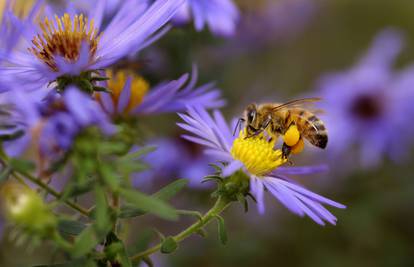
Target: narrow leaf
221, 229
109, 176
130, 211
166, 193
21, 165
85, 243
139, 153
149, 204
5, 173
70, 227
101, 212
171, 189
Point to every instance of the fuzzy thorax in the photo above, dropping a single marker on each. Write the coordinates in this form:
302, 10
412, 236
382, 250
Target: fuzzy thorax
257, 154
64, 38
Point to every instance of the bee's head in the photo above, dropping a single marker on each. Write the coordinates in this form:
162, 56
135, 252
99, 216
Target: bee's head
251, 119
255, 123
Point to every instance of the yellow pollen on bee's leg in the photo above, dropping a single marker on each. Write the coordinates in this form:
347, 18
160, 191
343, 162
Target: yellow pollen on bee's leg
291, 136
257, 154
298, 148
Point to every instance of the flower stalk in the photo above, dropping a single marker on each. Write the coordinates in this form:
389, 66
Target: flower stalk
221, 204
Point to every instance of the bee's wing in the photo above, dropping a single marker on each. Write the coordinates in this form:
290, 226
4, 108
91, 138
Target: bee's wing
299, 103
317, 111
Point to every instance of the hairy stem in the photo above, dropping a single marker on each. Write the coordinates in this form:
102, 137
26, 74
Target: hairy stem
220, 205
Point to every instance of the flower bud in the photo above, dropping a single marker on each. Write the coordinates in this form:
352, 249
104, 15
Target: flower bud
25, 208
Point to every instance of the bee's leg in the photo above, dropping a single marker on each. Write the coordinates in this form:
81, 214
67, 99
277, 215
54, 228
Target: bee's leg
238, 125
286, 151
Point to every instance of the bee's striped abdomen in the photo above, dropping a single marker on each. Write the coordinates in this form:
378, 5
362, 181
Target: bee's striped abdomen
311, 127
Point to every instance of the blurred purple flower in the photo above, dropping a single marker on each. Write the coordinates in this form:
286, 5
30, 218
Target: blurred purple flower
52, 123
214, 133
129, 95
370, 104
128, 32
14, 26
275, 20
221, 16
166, 165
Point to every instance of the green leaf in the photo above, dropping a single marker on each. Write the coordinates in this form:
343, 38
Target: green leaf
85, 242
171, 189
139, 153
109, 176
221, 229
149, 204
21, 165
118, 252
74, 190
130, 211
169, 245
70, 227
101, 212
5, 173
74, 263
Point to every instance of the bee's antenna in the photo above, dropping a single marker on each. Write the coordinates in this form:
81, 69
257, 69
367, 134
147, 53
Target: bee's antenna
238, 125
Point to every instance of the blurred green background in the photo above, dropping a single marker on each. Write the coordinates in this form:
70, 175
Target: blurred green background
377, 227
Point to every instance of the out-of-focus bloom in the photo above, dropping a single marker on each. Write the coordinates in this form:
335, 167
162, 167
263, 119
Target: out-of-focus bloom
221, 16
164, 164
52, 123
275, 21
15, 19
74, 46
130, 94
25, 208
259, 160
370, 104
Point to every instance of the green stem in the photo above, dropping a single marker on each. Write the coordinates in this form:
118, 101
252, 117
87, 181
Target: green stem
53, 192
220, 205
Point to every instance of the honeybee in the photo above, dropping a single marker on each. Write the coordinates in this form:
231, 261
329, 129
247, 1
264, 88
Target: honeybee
276, 119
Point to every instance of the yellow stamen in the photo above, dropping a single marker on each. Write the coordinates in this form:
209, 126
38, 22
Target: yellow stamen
291, 136
65, 40
257, 154
116, 83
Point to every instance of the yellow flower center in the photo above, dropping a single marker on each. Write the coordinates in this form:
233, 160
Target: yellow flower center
65, 40
257, 154
20, 8
116, 83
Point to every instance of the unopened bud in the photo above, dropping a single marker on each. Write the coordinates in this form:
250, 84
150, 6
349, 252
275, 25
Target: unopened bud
25, 208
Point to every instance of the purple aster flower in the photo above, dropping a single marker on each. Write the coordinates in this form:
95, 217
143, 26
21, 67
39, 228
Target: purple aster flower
221, 16
15, 23
51, 124
130, 94
370, 104
258, 159
71, 47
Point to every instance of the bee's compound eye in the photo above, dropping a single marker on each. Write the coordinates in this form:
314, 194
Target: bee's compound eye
251, 115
